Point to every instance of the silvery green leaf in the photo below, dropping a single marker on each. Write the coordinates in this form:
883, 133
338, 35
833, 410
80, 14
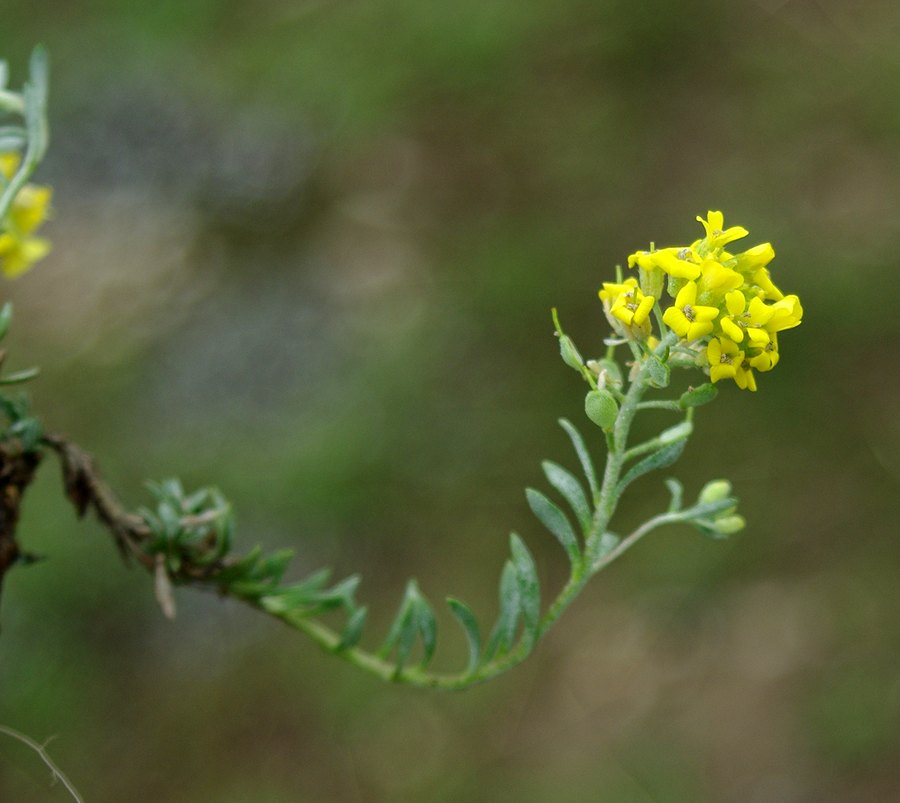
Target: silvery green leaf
555, 521
660, 459
426, 625
470, 625
352, 631
504, 631
529, 586
584, 456
572, 492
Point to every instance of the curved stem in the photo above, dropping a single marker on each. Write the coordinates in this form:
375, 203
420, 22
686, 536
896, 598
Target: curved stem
582, 571
41, 750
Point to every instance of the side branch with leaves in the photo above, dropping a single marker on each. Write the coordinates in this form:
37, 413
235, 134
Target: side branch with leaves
723, 321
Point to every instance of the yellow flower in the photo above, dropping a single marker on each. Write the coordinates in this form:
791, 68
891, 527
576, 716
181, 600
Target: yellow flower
744, 377
716, 280
786, 314
724, 358
754, 258
17, 255
31, 207
717, 235
686, 318
726, 361
742, 318
632, 307
768, 357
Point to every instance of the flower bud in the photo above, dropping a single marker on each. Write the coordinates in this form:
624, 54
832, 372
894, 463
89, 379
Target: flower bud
569, 353
714, 491
728, 525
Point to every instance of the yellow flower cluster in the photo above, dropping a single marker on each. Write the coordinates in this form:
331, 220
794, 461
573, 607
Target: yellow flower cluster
19, 250
726, 306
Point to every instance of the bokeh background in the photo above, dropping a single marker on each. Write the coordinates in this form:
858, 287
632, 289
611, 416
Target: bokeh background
306, 251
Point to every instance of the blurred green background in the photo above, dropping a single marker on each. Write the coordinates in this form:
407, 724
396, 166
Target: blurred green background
306, 251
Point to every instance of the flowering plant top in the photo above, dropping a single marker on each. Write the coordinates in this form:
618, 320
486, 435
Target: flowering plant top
727, 312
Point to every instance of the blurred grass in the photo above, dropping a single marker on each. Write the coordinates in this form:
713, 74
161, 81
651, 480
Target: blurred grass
307, 251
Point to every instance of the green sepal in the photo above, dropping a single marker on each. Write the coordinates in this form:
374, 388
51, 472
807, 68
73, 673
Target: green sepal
469, 624
569, 353
601, 407
695, 397
556, 521
613, 371
658, 371
570, 488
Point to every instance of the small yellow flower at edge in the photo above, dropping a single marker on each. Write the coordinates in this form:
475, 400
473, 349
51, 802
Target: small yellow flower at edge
686, 318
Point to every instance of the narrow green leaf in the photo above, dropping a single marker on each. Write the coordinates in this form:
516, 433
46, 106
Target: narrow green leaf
572, 492
661, 459
401, 624
658, 371
695, 397
426, 624
504, 632
601, 407
555, 521
469, 624
584, 456
235, 571
19, 376
352, 631
338, 596
529, 586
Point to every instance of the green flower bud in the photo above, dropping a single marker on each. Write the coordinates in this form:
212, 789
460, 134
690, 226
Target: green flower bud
728, 525
714, 491
569, 353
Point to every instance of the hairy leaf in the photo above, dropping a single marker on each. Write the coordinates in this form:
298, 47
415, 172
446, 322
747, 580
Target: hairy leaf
584, 456
469, 624
661, 459
572, 492
529, 586
504, 632
555, 521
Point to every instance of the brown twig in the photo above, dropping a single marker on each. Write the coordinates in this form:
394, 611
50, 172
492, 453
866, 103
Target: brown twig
17, 468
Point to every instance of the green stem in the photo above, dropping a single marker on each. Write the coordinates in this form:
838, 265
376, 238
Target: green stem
582, 571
